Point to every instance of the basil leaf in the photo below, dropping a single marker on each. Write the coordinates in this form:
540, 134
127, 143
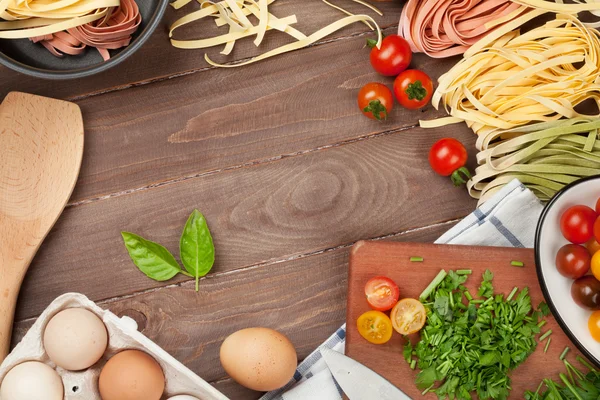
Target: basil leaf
196, 247
151, 258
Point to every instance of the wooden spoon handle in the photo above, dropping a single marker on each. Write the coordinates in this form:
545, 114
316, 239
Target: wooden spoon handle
10, 283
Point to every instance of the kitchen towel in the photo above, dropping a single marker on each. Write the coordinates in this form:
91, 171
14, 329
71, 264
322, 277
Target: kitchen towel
509, 219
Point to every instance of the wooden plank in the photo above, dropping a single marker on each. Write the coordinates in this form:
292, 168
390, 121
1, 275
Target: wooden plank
259, 214
191, 326
369, 259
224, 118
158, 59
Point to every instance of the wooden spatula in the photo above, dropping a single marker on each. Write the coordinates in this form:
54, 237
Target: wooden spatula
41, 146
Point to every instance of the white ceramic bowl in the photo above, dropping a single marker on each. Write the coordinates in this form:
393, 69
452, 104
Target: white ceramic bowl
556, 288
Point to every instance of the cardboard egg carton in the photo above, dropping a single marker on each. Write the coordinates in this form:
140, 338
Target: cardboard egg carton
122, 335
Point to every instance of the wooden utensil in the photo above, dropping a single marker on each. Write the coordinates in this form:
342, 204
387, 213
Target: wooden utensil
369, 259
41, 147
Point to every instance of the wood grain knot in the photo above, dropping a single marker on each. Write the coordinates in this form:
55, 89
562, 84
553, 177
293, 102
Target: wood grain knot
316, 192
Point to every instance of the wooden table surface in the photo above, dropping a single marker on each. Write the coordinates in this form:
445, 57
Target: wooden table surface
276, 155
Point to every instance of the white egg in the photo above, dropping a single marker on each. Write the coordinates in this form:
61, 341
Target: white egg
31, 380
182, 397
75, 339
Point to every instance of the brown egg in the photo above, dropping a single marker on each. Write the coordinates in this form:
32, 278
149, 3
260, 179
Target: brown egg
131, 375
259, 358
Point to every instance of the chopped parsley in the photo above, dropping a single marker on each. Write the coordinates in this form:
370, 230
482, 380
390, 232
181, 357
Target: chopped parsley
468, 346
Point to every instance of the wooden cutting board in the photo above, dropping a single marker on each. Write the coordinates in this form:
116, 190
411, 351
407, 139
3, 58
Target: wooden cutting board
369, 259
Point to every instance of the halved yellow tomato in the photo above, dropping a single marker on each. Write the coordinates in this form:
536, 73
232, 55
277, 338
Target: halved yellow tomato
375, 326
408, 316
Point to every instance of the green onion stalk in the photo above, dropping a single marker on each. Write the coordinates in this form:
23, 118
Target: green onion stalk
575, 384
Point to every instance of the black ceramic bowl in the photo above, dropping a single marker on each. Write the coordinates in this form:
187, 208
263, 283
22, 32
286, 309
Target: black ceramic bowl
33, 59
556, 288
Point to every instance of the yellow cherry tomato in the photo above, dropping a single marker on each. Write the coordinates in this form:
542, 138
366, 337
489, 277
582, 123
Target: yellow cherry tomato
595, 268
594, 325
593, 246
375, 326
408, 316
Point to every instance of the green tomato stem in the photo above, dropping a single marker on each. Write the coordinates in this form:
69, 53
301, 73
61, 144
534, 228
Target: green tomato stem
457, 176
376, 109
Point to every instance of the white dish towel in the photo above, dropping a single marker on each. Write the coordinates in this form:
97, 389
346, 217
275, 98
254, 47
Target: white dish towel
509, 219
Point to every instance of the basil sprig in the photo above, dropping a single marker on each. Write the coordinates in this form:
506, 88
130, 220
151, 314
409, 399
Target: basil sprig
196, 249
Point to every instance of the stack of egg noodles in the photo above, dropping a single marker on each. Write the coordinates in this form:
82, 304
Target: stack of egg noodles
68, 26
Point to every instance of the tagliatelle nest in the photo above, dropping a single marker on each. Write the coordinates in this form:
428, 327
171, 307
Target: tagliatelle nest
442, 28
511, 79
31, 18
235, 13
545, 157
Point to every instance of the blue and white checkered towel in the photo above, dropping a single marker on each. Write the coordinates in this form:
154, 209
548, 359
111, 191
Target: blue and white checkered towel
508, 219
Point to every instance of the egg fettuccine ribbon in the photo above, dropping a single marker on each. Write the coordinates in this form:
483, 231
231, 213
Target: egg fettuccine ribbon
235, 13
511, 79
559, 6
31, 18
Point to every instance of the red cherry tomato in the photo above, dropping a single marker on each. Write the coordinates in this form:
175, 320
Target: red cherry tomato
573, 261
393, 57
413, 89
448, 157
586, 292
592, 245
598, 206
375, 100
597, 229
382, 293
577, 224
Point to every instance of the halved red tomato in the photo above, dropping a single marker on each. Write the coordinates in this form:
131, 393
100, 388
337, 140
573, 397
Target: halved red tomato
382, 293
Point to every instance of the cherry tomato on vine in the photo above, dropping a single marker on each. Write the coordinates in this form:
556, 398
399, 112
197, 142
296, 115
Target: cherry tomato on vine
448, 157
375, 326
594, 325
393, 57
413, 89
382, 293
573, 261
577, 224
408, 316
375, 101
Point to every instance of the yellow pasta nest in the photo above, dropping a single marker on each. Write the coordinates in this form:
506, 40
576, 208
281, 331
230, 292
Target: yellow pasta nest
509, 79
31, 18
